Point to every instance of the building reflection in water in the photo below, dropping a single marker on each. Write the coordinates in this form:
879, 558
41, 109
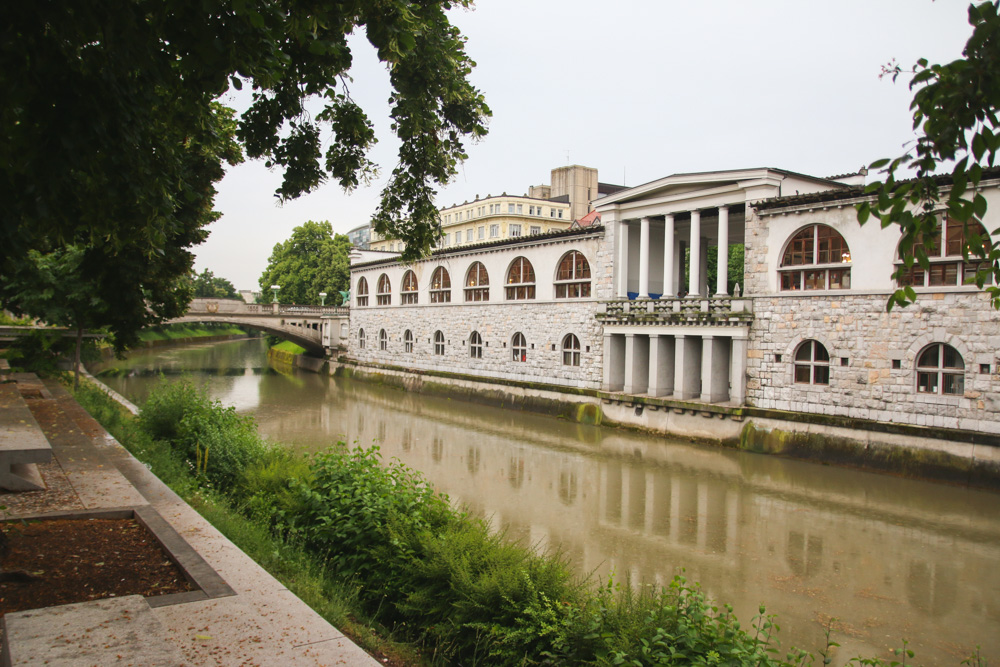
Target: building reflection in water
890, 558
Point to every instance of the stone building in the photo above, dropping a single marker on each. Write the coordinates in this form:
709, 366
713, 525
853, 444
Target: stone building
803, 346
520, 309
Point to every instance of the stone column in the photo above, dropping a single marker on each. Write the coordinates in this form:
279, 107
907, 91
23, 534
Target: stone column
636, 363
661, 365
738, 371
694, 274
644, 258
614, 362
622, 259
669, 274
707, 350
722, 287
687, 381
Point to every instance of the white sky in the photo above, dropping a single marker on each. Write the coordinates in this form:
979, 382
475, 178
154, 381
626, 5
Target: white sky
639, 90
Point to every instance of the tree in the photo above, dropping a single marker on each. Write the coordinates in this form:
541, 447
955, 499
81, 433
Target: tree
954, 108
208, 285
311, 261
102, 101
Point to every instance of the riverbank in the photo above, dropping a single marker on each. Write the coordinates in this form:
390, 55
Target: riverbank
943, 455
416, 568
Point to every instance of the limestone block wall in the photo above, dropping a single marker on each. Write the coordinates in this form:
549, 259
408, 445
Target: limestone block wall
873, 357
544, 324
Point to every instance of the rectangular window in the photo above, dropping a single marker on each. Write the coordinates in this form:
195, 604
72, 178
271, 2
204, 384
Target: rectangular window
552, 213
447, 240
944, 274
520, 209
482, 232
494, 231
531, 210
535, 229
514, 230
560, 213
458, 238
510, 208
468, 235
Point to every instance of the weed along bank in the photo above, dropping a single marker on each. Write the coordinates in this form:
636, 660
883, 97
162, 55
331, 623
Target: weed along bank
635, 320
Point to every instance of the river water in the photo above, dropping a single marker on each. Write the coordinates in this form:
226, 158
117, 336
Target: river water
883, 559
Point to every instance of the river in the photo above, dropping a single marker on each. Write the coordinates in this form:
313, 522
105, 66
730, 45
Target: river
881, 558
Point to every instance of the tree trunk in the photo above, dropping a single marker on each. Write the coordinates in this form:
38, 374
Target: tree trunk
76, 358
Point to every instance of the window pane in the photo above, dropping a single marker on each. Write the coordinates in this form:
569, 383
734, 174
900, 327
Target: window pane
952, 359
821, 353
814, 280
927, 383
821, 374
804, 353
953, 384
929, 357
802, 373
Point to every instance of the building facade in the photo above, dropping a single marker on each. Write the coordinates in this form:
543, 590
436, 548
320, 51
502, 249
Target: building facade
806, 332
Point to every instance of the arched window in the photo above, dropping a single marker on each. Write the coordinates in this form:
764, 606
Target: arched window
812, 363
476, 345
519, 346
816, 258
362, 297
940, 370
520, 280
440, 286
383, 340
570, 350
383, 296
438, 343
361, 339
408, 341
477, 283
573, 276
408, 290
948, 264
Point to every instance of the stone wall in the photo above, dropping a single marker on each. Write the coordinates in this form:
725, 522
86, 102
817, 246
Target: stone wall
544, 325
864, 341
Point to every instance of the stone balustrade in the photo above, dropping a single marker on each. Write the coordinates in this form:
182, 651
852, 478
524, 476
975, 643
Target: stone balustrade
682, 311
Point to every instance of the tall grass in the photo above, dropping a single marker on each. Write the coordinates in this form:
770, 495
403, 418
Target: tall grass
374, 541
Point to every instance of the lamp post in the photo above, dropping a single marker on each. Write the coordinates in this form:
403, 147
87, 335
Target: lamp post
275, 289
322, 299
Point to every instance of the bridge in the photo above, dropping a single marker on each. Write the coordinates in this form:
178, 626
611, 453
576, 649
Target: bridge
315, 328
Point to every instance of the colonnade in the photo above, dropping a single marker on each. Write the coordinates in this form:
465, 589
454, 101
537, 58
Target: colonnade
684, 363
672, 264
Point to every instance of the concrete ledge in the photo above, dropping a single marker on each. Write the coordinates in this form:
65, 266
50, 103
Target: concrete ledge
121, 631
22, 442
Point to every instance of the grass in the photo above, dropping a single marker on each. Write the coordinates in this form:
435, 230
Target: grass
289, 346
176, 331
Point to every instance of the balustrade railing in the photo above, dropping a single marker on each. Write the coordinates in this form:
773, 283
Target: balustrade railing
680, 311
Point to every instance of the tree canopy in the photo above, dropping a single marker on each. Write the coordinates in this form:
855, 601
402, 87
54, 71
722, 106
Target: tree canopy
208, 285
955, 112
311, 261
111, 137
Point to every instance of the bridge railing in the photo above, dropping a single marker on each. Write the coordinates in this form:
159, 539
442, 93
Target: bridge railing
234, 307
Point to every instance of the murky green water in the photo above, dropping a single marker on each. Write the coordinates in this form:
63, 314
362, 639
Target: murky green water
888, 558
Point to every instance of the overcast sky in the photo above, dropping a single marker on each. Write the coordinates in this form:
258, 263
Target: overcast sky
639, 90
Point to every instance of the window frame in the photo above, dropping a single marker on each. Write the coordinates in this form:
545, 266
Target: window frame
808, 274
409, 296
940, 373
817, 370
361, 297
519, 347
570, 348
948, 266
440, 291
383, 340
438, 343
383, 297
408, 341
524, 289
362, 339
475, 345
574, 286
479, 291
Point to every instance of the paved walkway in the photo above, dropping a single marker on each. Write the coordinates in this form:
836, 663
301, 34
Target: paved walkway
242, 615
